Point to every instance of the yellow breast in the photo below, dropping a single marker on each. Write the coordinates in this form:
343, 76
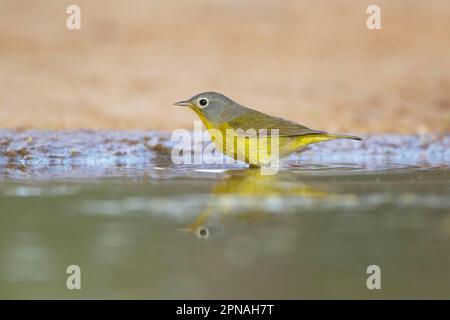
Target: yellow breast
256, 150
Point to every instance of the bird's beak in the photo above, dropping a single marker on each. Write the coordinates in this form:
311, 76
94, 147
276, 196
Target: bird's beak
184, 103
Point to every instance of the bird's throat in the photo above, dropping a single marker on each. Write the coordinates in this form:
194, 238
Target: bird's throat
208, 124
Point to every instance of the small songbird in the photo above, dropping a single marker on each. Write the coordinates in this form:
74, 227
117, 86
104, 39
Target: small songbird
219, 114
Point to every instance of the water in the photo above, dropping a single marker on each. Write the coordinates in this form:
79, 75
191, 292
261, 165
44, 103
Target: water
140, 227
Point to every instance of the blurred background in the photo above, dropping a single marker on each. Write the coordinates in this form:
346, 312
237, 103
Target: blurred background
115, 204
314, 62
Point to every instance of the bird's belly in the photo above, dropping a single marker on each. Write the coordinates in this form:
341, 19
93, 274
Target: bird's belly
262, 150
257, 151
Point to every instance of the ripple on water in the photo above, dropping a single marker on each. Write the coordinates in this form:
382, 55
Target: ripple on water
189, 206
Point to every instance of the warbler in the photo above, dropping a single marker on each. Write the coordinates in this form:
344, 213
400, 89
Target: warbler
220, 115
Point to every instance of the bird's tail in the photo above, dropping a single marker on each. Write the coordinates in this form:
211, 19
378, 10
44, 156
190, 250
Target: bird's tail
307, 139
342, 136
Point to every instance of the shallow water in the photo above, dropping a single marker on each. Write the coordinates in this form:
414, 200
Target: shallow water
141, 227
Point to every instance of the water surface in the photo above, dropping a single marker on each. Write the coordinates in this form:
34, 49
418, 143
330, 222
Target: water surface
141, 227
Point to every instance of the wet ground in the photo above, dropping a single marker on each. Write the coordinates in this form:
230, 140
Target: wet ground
141, 227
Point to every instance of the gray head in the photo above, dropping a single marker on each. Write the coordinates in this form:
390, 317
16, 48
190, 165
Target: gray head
215, 107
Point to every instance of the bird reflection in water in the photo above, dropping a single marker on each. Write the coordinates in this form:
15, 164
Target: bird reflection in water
247, 196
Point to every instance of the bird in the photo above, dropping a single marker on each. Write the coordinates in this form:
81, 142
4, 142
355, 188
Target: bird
254, 131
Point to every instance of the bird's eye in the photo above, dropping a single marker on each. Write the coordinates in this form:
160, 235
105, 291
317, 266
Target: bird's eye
203, 102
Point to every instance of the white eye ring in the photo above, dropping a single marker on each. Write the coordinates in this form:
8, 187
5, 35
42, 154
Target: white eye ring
203, 102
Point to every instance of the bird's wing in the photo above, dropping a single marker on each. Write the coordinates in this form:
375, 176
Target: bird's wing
263, 124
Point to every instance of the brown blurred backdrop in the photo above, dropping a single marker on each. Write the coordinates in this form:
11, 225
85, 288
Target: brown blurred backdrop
312, 61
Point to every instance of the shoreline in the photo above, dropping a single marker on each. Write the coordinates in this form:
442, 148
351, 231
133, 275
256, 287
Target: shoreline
56, 153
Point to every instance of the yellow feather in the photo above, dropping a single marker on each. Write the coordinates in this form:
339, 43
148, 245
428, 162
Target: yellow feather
251, 149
